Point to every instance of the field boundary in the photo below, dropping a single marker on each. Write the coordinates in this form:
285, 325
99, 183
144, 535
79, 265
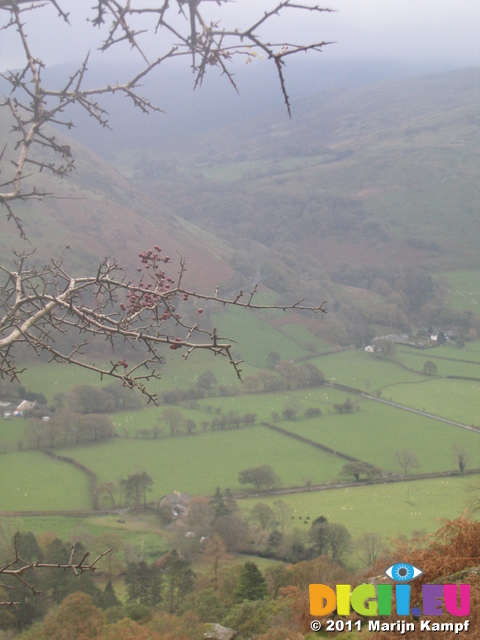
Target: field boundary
390, 479
461, 425
312, 443
92, 476
404, 407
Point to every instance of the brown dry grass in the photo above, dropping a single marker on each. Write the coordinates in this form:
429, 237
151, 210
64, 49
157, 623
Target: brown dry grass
452, 555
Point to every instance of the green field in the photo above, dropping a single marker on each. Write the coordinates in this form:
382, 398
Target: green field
12, 431
199, 463
394, 510
361, 370
448, 359
98, 532
256, 339
456, 400
56, 378
470, 353
31, 481
302, 336
376, 431
464, 289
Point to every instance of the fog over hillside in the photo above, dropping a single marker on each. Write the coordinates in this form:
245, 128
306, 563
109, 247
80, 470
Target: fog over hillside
189, 111
372, 186
370, 167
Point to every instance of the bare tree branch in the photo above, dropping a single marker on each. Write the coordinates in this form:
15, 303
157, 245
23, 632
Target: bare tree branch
19, 569
45, 307
39, 305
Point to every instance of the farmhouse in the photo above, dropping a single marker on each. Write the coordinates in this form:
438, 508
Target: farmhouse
25, 405
177, 501
10, 408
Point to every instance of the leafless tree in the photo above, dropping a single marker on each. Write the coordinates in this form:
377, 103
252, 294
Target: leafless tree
406, 459
461, 457
369, 547
41, 304
473, 490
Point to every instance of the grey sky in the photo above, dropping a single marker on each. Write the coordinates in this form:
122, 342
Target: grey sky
444, 30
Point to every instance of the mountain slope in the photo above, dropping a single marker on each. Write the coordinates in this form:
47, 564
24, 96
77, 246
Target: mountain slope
98, 213
386, 174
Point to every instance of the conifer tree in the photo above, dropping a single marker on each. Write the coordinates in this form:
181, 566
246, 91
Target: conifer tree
252, 585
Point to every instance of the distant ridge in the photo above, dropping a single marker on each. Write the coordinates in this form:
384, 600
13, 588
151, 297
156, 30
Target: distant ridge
384, 173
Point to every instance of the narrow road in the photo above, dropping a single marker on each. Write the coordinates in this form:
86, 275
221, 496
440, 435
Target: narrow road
421, 413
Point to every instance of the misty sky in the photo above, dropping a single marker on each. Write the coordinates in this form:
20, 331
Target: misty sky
443, 30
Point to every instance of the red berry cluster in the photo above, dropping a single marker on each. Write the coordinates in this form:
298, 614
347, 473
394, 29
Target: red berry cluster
159, 283
155, 289
176, 346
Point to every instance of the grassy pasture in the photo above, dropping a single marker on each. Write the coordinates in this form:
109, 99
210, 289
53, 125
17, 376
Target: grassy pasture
464, 289
13, 430
262, 404
303, 336
254, 338
95, 532
391, 509
30, 481
447, 352
199, 463
362, 370
56, 378
51, 379
374, 433
453, 399
446, 363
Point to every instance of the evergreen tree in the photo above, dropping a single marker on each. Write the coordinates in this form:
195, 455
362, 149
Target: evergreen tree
178, 581
27, 547
144, 583
135, 488
59, 584
318, 536
219, 502
252, 585
109, 598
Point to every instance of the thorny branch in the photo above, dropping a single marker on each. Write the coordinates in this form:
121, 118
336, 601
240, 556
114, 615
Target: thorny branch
46, 308
41, 305
19, 570
33, 104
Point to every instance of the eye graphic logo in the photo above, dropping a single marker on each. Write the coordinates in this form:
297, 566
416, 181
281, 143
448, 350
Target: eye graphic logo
403, 572
377, 600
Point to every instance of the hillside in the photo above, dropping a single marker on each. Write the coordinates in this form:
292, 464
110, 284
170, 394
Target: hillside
97, 213
385, 174
366, 199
